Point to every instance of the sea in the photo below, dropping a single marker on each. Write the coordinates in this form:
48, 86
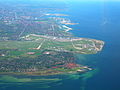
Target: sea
100, 20
97, 20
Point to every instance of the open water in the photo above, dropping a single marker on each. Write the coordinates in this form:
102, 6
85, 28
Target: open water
101, 21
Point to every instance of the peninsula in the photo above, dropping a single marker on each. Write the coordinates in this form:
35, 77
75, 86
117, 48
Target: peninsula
32, 43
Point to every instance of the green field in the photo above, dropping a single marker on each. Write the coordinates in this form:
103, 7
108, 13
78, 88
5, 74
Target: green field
37, 44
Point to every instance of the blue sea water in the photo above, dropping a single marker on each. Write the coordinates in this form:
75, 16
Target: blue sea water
98, 20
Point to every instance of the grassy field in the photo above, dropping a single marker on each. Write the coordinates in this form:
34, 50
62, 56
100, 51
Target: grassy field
37, 44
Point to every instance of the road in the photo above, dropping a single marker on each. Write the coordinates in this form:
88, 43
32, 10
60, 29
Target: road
40, 45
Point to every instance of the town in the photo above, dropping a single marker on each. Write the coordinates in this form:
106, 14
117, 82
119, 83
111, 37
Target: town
35, 41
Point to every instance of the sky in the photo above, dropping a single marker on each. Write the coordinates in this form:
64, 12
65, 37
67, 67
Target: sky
65, 0
81, 0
